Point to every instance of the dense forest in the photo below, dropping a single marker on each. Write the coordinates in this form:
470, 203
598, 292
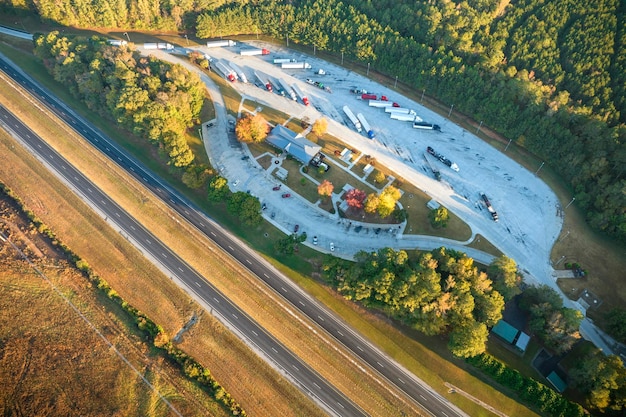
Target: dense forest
443, 292
151, 98
549, 75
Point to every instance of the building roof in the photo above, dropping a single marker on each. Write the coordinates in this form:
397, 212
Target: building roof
293, 143
522, 341
505, 331
556, 381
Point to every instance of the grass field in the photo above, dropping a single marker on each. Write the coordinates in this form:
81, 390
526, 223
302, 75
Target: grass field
52, 362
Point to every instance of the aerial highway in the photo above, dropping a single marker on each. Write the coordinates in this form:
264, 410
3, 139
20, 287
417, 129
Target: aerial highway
309, 381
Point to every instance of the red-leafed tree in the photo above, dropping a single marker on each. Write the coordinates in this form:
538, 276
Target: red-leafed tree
355, 198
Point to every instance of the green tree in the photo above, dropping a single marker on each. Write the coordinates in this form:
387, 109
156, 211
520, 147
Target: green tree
506, 280
439, 217
616, 324
252, 128
468, 339
603, 380
218, 189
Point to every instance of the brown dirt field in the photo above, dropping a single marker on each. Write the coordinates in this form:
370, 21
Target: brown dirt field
53, 363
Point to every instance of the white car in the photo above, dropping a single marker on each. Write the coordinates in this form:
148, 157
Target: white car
332, 247
315, 240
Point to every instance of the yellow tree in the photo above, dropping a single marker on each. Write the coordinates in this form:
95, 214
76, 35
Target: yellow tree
325, 189
371, 203
252, 128
320, 126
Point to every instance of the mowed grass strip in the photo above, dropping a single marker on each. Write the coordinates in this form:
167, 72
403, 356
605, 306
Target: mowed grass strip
222, 271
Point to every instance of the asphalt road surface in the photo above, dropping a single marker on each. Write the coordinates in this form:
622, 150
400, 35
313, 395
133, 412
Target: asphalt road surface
306, 379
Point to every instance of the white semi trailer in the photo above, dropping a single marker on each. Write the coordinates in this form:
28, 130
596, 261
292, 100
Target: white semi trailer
353, 118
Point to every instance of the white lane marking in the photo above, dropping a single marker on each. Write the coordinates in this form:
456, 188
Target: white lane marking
301, 303
213, 234
132, 227
340, 334
341, 405
255, 333
64, 167
230, 247
164, 255
248, 261
283, 288
359, 348
90, 190
295, 367
216, 300
198, 284
201, 224
180, 269
117, 214
274, 350
423, 398
266, 276
317, 386
321, 318
235, 316
400, 379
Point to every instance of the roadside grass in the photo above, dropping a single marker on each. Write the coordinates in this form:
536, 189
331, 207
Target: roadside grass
479, 242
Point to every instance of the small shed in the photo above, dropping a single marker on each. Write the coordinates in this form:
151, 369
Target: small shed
282, 173
522, 341
505, 331
556, 381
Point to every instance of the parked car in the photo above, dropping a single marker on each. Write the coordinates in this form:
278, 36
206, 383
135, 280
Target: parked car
296, 228
286, 195
315, 240
332, 247
276, 188
264, 206
245, 157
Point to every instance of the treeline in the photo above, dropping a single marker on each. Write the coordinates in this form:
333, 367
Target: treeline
458, 53
153, 99
151, 330
443, 292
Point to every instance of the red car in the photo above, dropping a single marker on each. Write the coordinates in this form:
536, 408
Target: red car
286, 195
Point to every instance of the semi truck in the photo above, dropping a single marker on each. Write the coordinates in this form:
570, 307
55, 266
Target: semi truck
492, 211
158, 45
264, 80
287, 89
434, 170
239, 72
220, 43
366, 126
300, 94
426, 126
283, 60
353, 118
369, 96
278, 89
251, 52
295, 65
381, 103
443, 159
399, 110
225, 70
403, 117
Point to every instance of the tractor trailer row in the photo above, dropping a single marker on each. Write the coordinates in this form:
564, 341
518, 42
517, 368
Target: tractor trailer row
353, 119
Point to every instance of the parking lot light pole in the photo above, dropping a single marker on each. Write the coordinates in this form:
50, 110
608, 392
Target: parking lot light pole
396, 83
450, 112
479, 126
127, 37
507, 145
570, 203
368, 69
538, 169
423, 92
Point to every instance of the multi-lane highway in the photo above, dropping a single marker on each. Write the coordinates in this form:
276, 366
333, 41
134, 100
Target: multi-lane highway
306, 379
